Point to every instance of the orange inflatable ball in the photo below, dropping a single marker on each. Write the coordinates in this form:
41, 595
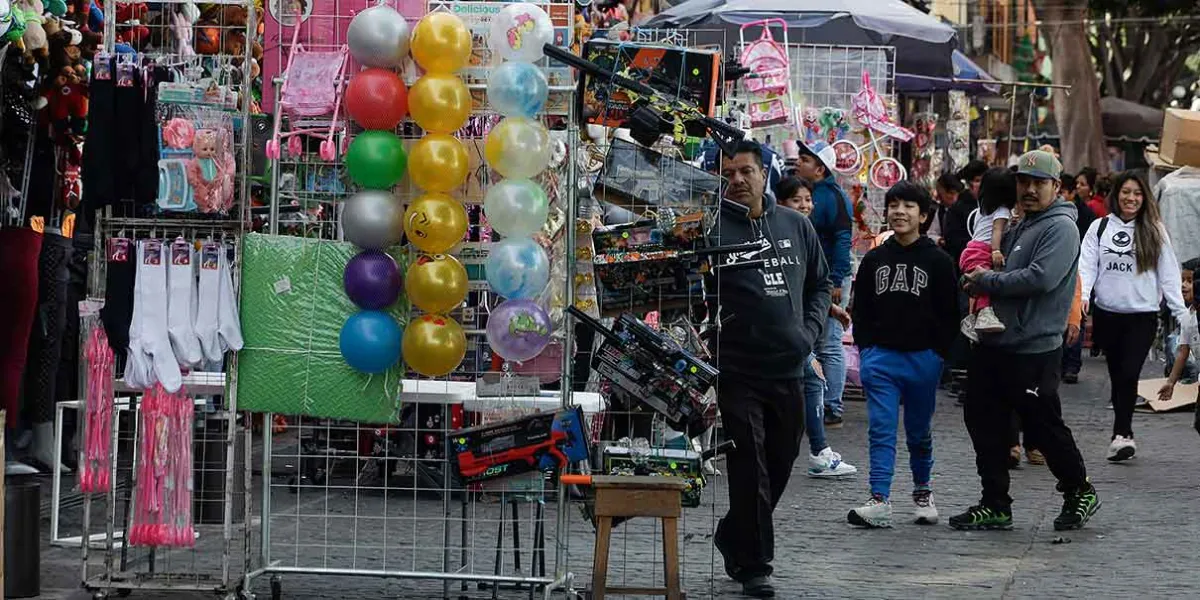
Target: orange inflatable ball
377, 99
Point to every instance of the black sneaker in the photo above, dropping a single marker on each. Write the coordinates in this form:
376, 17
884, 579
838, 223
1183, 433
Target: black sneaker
1071, 378
758, 587
1078, 506
832, 420
980, 518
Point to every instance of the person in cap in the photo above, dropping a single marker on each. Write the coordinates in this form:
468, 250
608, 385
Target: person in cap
831, 216
1018, 369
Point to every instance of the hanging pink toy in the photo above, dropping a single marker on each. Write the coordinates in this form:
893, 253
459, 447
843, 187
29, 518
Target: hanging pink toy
94, 470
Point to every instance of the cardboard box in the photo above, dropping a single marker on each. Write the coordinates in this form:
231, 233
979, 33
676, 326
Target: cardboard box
1181, 137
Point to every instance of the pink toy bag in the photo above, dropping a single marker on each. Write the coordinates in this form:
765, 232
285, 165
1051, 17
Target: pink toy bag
96, 466
162, 514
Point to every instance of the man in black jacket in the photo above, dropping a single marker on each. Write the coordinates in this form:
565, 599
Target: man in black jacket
771, 311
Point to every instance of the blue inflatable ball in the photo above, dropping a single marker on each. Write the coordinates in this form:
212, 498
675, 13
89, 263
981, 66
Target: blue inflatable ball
370, 341
517, 268
517, 89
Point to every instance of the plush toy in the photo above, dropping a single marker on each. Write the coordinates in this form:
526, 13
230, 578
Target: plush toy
65, 53
13, 24
129, 23
57, 8
66, 104
35, 34
181, 27
95, 20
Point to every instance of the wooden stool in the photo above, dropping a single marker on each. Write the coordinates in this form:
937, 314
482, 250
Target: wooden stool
637, 496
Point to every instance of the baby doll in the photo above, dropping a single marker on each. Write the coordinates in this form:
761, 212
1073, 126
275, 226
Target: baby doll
211, 172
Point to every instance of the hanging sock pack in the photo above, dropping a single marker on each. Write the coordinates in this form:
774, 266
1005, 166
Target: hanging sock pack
181, 305
151, 357
217, 322
117, 313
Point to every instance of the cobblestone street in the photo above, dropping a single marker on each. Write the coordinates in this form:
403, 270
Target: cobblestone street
1141, 543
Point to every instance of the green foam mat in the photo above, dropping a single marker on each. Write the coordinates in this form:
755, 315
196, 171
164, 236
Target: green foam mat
292, 311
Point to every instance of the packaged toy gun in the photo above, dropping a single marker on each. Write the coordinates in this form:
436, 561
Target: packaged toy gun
538, 442
652, 369
655, 113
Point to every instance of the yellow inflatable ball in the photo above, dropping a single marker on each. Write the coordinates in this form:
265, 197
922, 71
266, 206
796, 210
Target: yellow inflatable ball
438, 163
434, 345
435, 223
441, 43
436, 283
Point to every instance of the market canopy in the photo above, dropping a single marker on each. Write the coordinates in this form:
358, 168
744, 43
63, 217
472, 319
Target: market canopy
967, 78
923, 43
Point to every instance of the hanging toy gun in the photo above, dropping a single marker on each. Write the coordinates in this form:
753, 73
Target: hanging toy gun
654, 113
652, 369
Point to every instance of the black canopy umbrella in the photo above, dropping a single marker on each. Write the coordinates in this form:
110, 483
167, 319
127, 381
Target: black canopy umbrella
923, 43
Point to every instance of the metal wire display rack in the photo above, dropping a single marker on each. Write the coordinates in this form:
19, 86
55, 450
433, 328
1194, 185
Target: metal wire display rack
221, 498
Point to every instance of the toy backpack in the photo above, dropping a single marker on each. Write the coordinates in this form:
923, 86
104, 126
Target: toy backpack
769, 81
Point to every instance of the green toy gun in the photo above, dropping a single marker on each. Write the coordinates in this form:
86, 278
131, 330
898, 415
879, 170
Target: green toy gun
654, 113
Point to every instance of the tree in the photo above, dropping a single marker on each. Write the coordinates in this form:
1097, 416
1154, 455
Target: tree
1141, 47
1081, 132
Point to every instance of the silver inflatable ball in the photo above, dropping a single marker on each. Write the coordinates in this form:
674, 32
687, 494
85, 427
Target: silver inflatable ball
373, 219
378, 37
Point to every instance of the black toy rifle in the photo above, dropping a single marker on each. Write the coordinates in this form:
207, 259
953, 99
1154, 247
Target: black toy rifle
655, 113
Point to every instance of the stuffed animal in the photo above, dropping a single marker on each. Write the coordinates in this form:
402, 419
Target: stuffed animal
129, 23
181, 27
65, 53
57, 8
66, 104
34, 37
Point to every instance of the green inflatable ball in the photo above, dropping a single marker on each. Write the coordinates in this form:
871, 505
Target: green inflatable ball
376, 160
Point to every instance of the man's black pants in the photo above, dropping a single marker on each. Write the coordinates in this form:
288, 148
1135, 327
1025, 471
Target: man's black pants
765, 419
1126, 339
1000, 383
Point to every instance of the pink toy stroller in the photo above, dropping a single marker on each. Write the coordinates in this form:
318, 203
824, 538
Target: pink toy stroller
313, 85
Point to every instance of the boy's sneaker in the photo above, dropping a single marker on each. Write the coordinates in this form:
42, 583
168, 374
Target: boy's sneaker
832, 420
876, 513
925, 512
967, 327
1078, 506
980, 518
987, 321
829, 464
1121, 448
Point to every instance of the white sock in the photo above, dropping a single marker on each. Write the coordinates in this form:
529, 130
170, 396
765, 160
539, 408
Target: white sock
152, 271
207, 321
231, 325
181, 303
137, 364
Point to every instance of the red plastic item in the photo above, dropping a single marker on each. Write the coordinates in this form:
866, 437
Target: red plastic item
377, 99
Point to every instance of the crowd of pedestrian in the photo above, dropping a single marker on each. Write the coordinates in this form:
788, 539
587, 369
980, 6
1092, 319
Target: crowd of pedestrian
991, 277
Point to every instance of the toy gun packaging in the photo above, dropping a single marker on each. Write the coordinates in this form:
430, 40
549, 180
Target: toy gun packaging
652, 369
539, 442
653, 112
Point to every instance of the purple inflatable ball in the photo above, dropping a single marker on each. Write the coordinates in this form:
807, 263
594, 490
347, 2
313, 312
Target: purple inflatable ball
372, 280
518, 330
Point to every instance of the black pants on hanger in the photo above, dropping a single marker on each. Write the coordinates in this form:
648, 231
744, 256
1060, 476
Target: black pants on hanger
49, 329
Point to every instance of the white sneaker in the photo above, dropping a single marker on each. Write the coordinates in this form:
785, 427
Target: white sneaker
987, 321
967, 327
876, 513
925, 512
1121, 448
829, 464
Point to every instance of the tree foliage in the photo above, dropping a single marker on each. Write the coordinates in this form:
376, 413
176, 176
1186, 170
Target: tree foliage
1142, 47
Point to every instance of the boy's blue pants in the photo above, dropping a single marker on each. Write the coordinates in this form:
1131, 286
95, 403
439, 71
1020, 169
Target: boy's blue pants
891, 378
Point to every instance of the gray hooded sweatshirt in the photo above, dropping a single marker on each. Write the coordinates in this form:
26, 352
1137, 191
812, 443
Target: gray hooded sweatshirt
1034, 291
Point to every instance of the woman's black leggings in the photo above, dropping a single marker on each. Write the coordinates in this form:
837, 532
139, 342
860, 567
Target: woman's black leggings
1126, 339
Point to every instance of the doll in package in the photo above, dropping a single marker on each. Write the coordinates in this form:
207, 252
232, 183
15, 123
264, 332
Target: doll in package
196, 167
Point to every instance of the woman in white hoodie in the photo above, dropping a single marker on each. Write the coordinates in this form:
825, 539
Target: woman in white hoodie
1128, 262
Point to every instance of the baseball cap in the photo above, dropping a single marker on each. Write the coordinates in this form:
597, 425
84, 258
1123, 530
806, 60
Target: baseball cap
824, 153
1039, 164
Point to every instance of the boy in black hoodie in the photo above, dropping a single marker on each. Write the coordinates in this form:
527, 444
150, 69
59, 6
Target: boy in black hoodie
905, 318
772, 305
